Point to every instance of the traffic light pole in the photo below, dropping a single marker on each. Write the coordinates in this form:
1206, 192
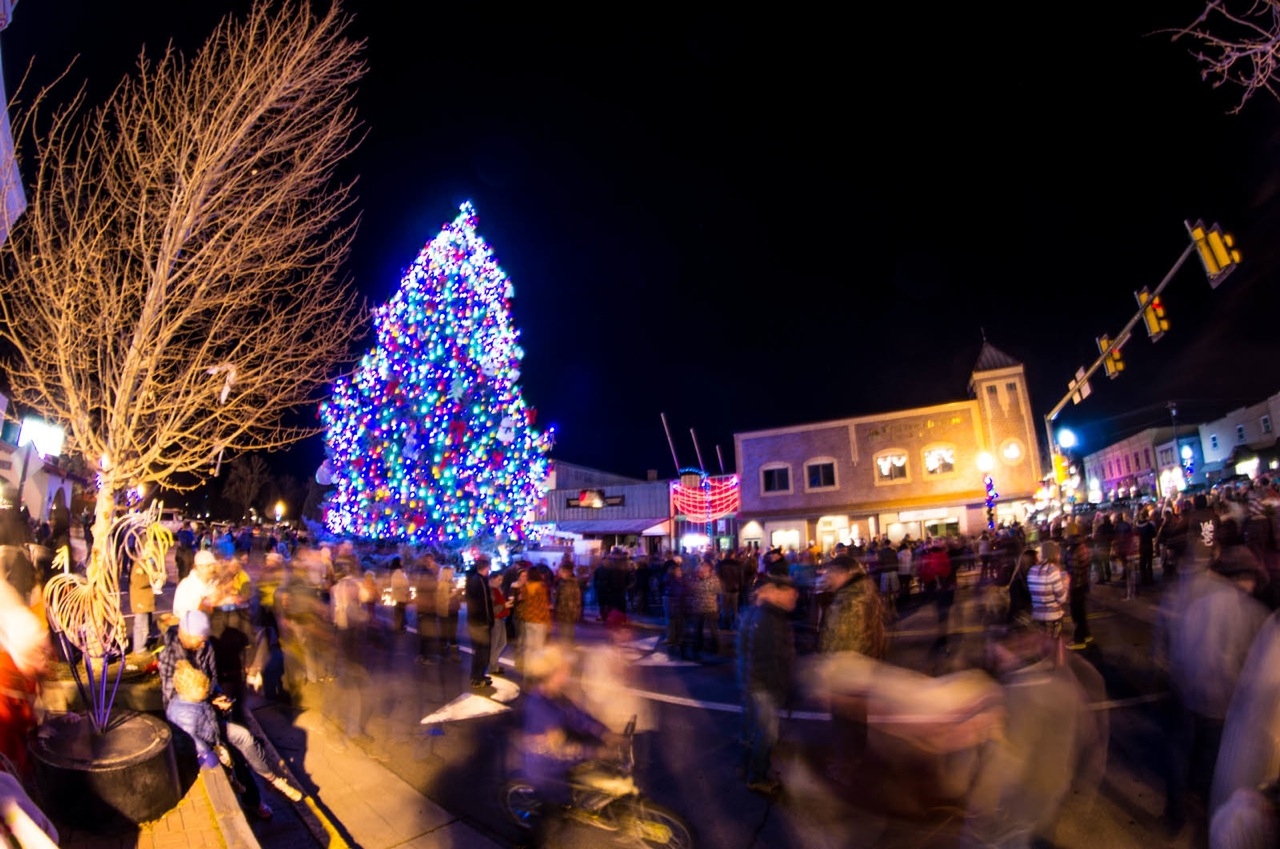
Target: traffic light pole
1121, 339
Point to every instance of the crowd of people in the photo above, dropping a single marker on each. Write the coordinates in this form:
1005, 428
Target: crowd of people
1213, 558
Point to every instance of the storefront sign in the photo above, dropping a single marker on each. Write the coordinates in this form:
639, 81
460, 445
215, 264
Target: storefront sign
923, 515
595, 499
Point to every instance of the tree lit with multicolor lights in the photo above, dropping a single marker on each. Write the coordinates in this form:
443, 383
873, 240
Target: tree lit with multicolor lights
429, 441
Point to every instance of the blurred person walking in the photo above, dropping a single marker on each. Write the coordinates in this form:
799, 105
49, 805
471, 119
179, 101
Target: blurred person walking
703, 606
766, 660
448, 605
568, 603
533, 612
1048, 584
1204, 630
675, 603
854, 621
480, 620
501, 615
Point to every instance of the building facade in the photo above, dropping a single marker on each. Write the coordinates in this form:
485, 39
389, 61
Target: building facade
1243, 442
586, 510
917, 472
1151, 463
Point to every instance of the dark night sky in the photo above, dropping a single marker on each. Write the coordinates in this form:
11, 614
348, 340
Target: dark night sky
749, 222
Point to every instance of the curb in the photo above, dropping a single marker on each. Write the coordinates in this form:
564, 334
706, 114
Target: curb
227, 813
324, 831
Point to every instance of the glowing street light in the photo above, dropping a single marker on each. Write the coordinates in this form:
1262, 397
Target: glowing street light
1067, 439
279, 511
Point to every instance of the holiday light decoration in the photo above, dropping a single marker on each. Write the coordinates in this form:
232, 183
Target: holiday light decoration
429, 441
714, 498
992, 495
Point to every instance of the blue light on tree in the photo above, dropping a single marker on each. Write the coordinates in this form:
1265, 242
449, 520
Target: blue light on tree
430, 441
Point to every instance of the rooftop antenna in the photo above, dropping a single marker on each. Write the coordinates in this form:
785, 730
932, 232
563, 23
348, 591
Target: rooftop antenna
672, 444
697, 451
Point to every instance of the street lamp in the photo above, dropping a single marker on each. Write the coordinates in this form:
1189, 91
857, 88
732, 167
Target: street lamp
985, 464
279, 511
1067, 439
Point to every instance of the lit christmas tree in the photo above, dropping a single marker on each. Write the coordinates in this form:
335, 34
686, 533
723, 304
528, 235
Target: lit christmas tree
429, 441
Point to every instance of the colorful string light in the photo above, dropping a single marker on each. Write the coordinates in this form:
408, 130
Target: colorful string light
429, 440
714, 498
992, 495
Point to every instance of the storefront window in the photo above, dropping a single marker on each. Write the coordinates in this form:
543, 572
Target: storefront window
939, 460
891, 467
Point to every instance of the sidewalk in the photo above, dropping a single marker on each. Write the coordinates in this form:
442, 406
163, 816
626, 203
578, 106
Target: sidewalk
356, 800
359, 801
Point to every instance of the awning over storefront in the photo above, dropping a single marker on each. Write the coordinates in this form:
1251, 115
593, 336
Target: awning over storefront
641, 527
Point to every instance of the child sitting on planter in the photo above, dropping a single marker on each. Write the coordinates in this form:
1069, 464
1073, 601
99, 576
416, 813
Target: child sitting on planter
186, 645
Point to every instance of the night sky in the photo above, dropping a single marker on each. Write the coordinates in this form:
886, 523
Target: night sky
749, 222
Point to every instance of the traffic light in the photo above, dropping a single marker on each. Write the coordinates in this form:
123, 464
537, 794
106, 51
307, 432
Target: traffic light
1059, 468
1112, 361
1217, 251
1152, 314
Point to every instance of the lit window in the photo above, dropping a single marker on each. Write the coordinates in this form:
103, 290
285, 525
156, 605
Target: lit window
940, 460
821, 475
1011, 451
776, 479
891, 466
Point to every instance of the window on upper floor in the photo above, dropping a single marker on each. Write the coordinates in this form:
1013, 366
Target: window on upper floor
775, 479
1146, 455
820, 473
1127, 469
1213, 441
939, 460
1266, 424
891, 467
1239, 433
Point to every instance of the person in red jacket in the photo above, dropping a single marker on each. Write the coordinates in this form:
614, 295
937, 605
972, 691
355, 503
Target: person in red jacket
501, 612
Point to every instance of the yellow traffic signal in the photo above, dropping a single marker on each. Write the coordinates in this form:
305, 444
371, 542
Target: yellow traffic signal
1152, 314
1059, 468
1112, 359
1217, 251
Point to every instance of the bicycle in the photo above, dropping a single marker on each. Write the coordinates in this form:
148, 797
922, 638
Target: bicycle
605, 796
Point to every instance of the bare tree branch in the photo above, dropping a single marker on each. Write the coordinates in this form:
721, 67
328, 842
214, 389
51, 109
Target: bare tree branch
245, 481
175, 287
1237, 48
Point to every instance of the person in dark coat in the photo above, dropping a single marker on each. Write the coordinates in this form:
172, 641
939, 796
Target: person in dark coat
59, 522
480, 620
15, 560
766, 659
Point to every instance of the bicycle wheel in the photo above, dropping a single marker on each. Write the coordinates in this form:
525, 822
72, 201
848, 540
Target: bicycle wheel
521, 803
652, 825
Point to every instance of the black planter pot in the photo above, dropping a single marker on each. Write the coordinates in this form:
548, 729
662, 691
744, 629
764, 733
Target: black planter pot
106, 782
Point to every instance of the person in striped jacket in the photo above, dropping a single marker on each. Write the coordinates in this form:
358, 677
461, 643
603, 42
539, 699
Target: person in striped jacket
1049, 585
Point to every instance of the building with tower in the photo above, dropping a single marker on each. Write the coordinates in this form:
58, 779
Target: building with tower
919, 472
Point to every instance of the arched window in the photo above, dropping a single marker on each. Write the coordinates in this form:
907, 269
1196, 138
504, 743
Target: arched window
820, 474
891, 467
775, 479
939, 460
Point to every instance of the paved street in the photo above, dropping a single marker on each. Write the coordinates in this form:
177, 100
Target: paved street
692, 764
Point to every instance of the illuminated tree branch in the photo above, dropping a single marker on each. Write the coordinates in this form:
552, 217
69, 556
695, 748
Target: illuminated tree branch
1237, 48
